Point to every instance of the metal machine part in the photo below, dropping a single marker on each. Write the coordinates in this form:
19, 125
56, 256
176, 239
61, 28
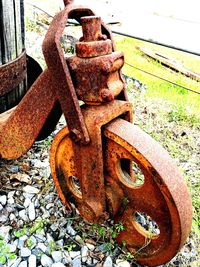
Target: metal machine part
100, 160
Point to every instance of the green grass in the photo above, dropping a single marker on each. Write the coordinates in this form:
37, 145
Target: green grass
157, 88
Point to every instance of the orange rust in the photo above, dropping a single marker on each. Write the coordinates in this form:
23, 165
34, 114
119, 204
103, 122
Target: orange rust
91, 159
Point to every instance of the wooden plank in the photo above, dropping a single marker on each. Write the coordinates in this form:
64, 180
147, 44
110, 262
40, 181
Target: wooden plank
170, 62
19, 44
12, 44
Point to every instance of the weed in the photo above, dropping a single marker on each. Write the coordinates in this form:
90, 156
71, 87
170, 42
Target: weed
69, 247
5, 253
116, 229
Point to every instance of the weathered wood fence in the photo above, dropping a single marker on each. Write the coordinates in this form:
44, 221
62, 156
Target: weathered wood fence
12, 39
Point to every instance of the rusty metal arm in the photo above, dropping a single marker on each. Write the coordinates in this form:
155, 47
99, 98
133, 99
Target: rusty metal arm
21, 127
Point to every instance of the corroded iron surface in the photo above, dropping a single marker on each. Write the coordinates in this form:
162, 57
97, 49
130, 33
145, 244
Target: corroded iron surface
69, 159
12, 74
163, 195
109, 189
98, 159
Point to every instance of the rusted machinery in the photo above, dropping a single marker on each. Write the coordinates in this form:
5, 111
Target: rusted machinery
92, 158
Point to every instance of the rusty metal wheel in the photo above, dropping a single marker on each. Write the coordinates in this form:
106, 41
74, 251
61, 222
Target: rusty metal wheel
152, 190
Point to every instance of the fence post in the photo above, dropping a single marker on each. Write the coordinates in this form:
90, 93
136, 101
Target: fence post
12, 38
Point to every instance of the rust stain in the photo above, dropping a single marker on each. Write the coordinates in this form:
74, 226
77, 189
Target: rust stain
91, 159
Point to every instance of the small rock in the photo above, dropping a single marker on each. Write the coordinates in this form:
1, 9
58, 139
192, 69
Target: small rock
27, 202
3, 200
1, 207
74, 254
70, 230
4, 232
37, 203
23, 215
17, 262
25, 252
58, 264
28, 195
31, 211
66, 258
37, 252
14, 169
10, 200
32, 261
39, 164
90, 246
122, 263
40, 237
42, 247
46, 261
4, 216
21, 177
76, 262
49, 238
60, 242
31, 190
57, 256
20, 244
84, 253
11, 194
23, 238
108, 262
89, 261
79, 240
54, 227
12, 217
49, 205
23, 264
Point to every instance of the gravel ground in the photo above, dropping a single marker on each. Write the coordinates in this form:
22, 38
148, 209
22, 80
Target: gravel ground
37, 230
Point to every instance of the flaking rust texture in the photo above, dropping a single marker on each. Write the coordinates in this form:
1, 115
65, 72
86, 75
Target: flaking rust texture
91, 158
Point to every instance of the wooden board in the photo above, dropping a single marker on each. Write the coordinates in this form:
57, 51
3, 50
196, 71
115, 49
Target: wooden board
170, 62
11, 45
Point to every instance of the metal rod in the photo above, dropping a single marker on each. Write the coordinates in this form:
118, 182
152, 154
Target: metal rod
164, 79
156, 42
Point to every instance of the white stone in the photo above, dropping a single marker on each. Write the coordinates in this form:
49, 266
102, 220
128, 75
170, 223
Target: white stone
17, 262
46, 261
27, 202
57, 256
31, 211
42, 247
74, 254
4, 232
23, 264
25, 252
108, 262
90, 246
23, 215
70, 230
122, 263
76, 262
58, 264
84, 253
3, 200
12, 217
31, 189
32, 261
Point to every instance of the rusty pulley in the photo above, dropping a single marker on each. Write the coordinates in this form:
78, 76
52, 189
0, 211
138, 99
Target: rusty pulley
100, 161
